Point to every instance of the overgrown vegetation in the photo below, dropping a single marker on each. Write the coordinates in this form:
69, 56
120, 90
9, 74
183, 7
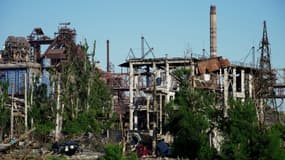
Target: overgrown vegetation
85, 100
4, 111
85, 96
191, 122
197, 115
42, 112
245, 139
86, 103
114, 152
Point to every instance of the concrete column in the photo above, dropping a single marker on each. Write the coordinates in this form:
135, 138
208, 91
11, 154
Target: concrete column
136, 120
160, 114
147, 77
193, 73
136, 95
147, 113
136, 84
242, 84
220, 80
131, 96
58, 106
153, 67
154, 96
250, 84
31, 97
234, 83
168, 81
26, 102
226, 87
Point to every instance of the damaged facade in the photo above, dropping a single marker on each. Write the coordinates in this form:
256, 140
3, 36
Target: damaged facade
22, 61
146, 85
152, 85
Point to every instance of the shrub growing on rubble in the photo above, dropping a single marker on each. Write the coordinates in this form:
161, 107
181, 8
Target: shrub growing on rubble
114, 152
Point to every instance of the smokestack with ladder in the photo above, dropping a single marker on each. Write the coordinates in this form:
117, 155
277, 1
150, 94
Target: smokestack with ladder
213, 31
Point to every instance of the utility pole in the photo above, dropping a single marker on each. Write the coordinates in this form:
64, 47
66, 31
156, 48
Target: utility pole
266, 78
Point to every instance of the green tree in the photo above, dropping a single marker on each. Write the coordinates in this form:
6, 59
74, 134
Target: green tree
239, 129
85, 100
4, 111
42, 112
86, 97
243, 139
191, 123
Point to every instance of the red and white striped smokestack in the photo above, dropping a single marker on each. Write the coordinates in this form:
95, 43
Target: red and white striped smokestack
213, 31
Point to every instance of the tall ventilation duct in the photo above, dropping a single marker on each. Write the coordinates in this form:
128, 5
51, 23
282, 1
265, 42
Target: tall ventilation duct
213, 31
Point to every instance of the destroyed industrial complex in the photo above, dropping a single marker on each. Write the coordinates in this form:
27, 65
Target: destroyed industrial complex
145, 85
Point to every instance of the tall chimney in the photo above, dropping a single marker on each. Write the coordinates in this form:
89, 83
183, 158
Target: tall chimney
213, 31
108, 57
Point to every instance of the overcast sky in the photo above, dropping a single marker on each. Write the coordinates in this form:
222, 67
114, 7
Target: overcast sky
169, 26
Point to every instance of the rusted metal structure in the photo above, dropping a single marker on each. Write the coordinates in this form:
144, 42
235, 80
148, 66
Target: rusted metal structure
268, 86
266, 76
62, 45
37, 38
22, 60
146, 84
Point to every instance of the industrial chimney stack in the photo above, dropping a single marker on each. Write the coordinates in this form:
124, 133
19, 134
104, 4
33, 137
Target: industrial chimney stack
213, 31
108, 57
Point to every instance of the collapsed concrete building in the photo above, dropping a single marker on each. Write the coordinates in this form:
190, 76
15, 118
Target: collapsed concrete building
22, 60
152, 86
149, 84
146, 85
17, 69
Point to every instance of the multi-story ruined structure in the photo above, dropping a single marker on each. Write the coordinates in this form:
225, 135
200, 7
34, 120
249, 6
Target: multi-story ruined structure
146, 84
22, 60
151, 84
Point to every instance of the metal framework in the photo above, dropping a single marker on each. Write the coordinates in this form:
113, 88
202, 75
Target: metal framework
265, 83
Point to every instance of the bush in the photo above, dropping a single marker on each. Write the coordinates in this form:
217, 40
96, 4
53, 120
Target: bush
114, 152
